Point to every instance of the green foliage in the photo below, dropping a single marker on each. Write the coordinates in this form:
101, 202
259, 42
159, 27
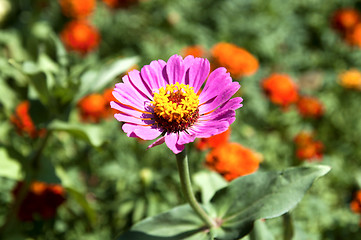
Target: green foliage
235, 207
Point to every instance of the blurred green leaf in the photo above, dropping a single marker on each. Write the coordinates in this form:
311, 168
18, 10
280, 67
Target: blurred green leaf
93, 134
260, 231
80, 198
208, 182
9, 167
96, 79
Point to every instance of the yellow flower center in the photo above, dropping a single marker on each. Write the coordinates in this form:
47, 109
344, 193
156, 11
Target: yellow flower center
175, 107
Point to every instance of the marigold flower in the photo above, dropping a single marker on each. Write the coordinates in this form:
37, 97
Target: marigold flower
307, 148
355, 204
351, 79
238, 61
80, 36
93, 107
162, 99
345, 19
120, 3
42, 199
233, 160
280, 89
23, 122
309, 107
214, 141
353, 36
76, 8
195, 51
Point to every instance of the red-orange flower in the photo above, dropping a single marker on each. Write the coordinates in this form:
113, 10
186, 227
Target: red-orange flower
120, 3
233, 160
42, 200
353, 36
214, 141
23, 122
310, 107
355, 204
76, 8
345, 19
80, 36
351, 79
93, 107
238, 61
307, 148
195, 50
280, 89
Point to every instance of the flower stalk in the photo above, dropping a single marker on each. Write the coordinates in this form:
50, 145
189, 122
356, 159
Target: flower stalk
183, 169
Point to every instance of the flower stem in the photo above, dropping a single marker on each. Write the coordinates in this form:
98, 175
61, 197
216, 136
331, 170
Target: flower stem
182, 162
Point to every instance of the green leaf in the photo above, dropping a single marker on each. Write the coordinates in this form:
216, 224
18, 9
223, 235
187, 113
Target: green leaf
260, 231
96, 79
9, 167
261, 195
178, 223
93, 134
209, 183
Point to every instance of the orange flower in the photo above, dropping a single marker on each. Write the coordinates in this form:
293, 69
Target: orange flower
80, 36
310, 107
233, 160
93, 107
23, 122
307, 148
353, 36
42, 199
120, 3
355, 204
236, 60
351, 79
76, 8
214, 141
195, 50
345, 19
280, 89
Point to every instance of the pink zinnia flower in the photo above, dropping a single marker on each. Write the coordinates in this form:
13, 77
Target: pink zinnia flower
163, 99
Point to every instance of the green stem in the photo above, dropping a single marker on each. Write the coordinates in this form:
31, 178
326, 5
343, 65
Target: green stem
182, 162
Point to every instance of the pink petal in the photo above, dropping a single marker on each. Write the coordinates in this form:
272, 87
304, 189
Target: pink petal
171, 139
137, 82
197, 73
175, 69
143, 132
217, 81
152, 74
156, 143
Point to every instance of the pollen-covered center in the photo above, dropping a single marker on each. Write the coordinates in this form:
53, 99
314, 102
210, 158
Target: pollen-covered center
175, 107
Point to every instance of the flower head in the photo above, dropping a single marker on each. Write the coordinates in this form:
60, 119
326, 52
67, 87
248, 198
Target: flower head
307, 148
214, 141
23, 122
95, 106
42, 199
233, 160
353, 36
77, 9
162, 99
351, 79
280, 89
238, 61
355, 204
80, 36
309, 107
345, 19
